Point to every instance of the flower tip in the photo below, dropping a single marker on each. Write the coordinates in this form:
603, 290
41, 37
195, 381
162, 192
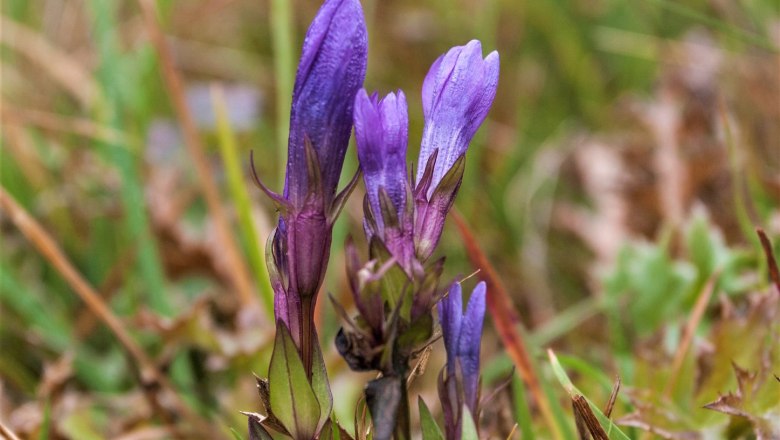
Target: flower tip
480, 289
475, 310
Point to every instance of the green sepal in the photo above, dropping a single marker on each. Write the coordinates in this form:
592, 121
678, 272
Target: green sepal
333, 431
417, 334
320, 385
293, 401
313, 168
387, 209
451, 180
256, 429
342, 197
394, 283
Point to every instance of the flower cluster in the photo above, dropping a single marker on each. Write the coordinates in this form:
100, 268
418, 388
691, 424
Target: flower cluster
332, 68
396, 290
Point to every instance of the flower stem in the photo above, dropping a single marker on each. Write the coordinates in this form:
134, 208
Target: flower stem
307, 333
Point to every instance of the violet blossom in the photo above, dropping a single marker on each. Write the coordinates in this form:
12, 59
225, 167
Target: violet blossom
457, 94
381, 133
331, 71
462, 331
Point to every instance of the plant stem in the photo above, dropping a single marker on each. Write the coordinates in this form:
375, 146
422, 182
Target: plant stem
306, 318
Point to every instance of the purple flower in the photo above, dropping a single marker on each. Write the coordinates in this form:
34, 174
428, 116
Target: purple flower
381, 132
457, 94
331, 71
462, 334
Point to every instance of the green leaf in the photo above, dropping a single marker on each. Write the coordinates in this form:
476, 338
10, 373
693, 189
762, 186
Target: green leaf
320, 386
293, 401
430, 430
468, 429
612, 430
419, 332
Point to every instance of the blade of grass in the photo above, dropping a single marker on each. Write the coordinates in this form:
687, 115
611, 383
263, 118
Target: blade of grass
510, 330
109, 112
523, 416
53, 328
284, 73
729, 29
7, 432
150, 376
240, 196
238, 271
611, 429
55, 122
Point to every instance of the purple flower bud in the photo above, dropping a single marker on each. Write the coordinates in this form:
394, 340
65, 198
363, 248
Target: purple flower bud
462, 334
331, 71
457, 94
381, 132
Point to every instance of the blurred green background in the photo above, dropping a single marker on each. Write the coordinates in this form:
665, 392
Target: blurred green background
631, 151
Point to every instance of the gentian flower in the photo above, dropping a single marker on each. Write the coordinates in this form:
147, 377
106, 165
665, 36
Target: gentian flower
457, 94
381, 132
331, 71
459, 384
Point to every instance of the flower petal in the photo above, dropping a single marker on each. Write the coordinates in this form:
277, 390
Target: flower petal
450, 314
381, 132
331, 70
457, 94
469, 344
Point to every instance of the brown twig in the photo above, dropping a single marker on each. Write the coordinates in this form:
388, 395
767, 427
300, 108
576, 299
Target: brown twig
587, 423
774, 273
6, 433
689, 331
67, 71
505, 319
238, 271
612, 398
55, 122
148, 373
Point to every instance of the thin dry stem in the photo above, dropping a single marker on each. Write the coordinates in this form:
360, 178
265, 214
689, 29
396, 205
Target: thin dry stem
55, 122
689, 331
238, 271
150, 376
61, 66
6, 433
612, 398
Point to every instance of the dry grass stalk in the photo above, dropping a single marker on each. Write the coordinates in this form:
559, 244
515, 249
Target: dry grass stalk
63, 68
238, 271
152, 379
690, 329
